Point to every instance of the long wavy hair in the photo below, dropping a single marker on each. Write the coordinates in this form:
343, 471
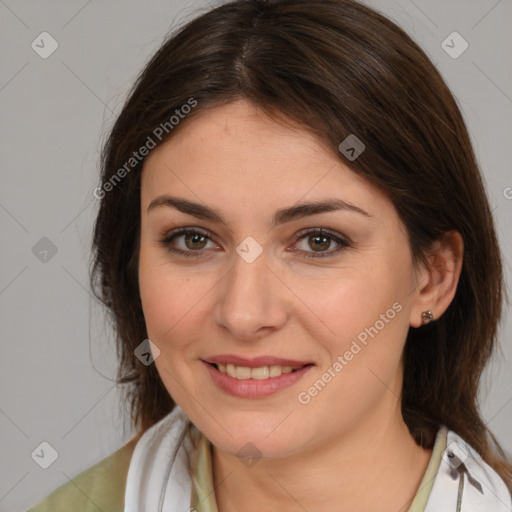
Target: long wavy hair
338, 68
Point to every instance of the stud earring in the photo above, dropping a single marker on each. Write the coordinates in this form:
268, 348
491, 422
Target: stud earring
427, 316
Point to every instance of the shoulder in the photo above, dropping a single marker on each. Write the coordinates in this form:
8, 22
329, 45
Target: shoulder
101, 486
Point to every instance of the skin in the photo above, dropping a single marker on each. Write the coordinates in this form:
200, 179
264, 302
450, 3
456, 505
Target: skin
348, 448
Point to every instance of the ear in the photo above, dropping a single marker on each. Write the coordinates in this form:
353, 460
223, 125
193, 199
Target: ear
436, 285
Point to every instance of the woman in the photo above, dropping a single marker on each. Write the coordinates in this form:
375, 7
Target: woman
299, 257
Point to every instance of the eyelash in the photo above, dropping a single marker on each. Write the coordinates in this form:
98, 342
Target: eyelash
166, 242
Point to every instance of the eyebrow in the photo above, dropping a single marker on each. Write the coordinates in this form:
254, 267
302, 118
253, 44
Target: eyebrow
281, 216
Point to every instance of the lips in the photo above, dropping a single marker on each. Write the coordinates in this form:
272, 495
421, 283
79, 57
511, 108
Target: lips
255, 362
256, 377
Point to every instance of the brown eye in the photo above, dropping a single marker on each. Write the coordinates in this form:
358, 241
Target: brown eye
194, 241
320, 240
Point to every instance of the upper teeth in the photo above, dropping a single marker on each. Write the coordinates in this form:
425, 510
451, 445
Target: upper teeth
264, 372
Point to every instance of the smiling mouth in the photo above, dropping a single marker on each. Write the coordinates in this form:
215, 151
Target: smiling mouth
260, 373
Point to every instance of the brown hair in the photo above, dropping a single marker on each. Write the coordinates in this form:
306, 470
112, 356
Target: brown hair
338, 68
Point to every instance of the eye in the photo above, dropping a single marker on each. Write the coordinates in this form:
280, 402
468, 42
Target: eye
195, 240
321, 239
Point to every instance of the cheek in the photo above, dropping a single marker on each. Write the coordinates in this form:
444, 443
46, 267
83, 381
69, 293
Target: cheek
362, 347
174, 300
362, 323
163, 295
343, 308
169, 303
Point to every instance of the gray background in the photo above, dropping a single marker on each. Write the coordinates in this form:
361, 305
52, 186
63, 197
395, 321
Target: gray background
58, 358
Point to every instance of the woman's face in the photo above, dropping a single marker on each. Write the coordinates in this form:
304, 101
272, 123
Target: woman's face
262, 290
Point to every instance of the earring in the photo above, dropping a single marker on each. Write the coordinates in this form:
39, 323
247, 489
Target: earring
427, 316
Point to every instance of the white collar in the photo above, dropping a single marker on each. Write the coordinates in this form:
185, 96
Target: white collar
154, 483
464, 482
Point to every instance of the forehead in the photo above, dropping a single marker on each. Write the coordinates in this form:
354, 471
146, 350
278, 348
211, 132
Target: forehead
238, 156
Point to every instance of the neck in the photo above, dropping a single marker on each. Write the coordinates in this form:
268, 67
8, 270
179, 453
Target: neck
376, 465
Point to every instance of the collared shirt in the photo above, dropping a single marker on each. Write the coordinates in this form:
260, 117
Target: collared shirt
151, 474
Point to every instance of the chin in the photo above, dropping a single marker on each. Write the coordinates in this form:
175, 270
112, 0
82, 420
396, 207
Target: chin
255, 439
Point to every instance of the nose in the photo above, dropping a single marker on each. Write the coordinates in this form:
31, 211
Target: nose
252, 301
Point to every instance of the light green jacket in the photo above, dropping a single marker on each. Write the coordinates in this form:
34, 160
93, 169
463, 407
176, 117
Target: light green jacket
99, 488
